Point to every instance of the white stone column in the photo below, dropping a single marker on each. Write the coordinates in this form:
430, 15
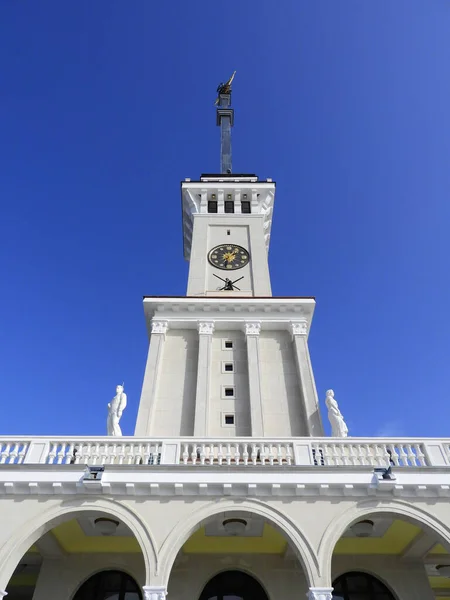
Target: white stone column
320, 594
205, 332
252, 331
149, 387
154, 592
307, 384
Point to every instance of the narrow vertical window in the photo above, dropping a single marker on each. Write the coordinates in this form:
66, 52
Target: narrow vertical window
229, 206
245, 207
212, 206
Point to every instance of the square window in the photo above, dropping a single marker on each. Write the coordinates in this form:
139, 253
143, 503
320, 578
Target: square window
229, 392
229, 419
245, 207
228, 344
212, 206
229, 206
228, 367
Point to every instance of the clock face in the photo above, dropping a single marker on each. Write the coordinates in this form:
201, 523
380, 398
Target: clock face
228, 257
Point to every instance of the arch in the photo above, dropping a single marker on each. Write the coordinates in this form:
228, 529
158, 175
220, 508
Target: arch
336, 529
182, 531
216, 586
39, 525
371, 578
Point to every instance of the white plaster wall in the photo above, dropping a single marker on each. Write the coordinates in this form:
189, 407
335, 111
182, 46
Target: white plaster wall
407, 581
218, 404
175, 396
170, 519
60, 578
281, 579
210, 231
283, 413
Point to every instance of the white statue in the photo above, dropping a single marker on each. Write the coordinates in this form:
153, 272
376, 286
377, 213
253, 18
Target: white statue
339, 428
115, 410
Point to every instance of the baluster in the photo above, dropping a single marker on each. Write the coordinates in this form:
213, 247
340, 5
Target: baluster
228, 454
220, 454
120, 454
397, 455
245, 454
280, 455
262, 454
77, 455
137, 454
14, 452
194, 454
327, 459
289, 454
411, 457
96, 454
147, 454
103, 453
345, 455
237, 454
52, 453
212, 453
202, 454
22, 453
336, 454
254, 454
68, 454
112, 450
61, 453
128, 454
420, 455
368, 458
379, 455
270, 454
185, 455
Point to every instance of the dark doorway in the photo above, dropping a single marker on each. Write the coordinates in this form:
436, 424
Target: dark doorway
233, 585
360, 586
109, 585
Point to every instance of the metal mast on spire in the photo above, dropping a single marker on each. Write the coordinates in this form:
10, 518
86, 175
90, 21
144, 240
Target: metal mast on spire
225, 118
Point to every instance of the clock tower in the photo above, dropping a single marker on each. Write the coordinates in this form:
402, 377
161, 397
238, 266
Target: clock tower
228, 359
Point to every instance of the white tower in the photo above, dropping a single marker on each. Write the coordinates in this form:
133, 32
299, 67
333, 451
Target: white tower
228, 359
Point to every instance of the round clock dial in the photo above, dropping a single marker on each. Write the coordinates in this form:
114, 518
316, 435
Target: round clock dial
228, 257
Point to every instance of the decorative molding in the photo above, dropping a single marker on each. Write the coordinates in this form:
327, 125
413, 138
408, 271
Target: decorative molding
194, 195
154, 592
205, 327
299, 327
320, 594
253, 328
3, 594
159, 326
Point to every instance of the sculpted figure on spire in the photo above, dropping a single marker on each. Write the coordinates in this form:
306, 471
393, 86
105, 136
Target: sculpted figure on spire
224, 88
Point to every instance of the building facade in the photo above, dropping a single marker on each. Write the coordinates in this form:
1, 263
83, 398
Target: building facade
229, 488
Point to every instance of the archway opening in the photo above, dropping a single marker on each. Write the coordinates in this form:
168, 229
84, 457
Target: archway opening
385, 555
237, 550
73, 548
233, 585
109, 585
356, 585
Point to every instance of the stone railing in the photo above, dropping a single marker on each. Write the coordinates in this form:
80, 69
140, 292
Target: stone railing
245, 452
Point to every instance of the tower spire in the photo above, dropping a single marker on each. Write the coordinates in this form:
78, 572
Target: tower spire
225, 119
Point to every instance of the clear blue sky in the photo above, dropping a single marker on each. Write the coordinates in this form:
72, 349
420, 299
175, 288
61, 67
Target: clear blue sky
107, 105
